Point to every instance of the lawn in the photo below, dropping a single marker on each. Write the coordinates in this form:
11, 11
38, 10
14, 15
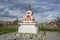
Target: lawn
51, 30
4, 30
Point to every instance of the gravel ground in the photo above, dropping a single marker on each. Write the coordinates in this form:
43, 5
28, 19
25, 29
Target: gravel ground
49, 36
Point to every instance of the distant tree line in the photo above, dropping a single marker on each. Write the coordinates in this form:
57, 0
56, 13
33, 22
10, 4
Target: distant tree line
8, 23
53, 25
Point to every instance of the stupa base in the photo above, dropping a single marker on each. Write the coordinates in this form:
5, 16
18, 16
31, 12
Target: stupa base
30, 29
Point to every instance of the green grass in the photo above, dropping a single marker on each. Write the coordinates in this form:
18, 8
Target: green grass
4, 30
51, 30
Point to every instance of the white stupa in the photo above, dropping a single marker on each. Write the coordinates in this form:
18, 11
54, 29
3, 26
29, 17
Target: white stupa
28, 25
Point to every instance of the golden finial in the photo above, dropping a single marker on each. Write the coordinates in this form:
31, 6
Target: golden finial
29, 7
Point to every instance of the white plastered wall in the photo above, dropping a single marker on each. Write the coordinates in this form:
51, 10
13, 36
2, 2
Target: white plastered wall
27, 29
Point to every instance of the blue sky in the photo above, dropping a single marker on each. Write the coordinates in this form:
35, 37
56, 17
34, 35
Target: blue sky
43, 10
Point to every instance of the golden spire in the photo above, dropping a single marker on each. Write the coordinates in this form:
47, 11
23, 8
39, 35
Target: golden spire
29, 7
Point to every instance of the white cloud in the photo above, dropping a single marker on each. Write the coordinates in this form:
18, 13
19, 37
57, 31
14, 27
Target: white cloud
45, 10
49, 17
1, 6
14, 13
7, 19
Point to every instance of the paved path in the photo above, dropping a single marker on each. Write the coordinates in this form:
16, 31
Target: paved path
49, 36
53, 35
